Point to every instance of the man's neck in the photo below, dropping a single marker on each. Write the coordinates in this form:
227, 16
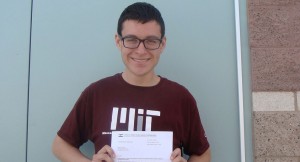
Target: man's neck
143, 81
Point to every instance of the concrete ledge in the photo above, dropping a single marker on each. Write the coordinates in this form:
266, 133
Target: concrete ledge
273, 101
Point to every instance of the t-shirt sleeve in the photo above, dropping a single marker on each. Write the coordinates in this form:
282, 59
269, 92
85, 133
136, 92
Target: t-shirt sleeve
196, 142
75, 129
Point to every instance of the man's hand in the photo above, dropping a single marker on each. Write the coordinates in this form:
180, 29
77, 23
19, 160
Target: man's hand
105, 154
176, 156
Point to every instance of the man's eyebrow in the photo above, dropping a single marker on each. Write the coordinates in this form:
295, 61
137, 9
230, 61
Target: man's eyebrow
152, 37
148, 37
129, 36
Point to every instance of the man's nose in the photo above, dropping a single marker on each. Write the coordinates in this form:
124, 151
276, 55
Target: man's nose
141, 48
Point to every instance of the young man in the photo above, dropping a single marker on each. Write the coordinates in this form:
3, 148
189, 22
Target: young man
139, 92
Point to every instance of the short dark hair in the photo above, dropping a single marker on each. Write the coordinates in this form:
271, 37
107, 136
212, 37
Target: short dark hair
142, 12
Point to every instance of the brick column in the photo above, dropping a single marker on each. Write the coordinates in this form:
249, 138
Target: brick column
274, 36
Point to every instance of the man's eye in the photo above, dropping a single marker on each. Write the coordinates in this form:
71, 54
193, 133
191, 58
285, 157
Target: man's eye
131, 40
152, 41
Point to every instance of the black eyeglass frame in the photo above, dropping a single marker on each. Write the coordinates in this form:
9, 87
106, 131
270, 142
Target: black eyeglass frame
140, 40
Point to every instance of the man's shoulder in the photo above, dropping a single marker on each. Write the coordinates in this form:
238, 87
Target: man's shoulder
174, 85
171, 82
108, 79
104, 82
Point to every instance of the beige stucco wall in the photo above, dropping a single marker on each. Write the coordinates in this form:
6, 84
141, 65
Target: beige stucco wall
274, 36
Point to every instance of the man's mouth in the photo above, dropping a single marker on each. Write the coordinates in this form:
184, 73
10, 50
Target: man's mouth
140, 59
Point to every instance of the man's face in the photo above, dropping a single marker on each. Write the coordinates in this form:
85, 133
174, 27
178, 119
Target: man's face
140, 61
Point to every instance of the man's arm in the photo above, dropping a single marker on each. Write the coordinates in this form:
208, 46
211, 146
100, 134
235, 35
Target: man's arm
205, 157
66, 152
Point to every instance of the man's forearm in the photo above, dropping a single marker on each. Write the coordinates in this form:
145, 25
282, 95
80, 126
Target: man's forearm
66, 152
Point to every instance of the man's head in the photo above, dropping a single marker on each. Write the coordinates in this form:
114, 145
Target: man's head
143, 13
140, 39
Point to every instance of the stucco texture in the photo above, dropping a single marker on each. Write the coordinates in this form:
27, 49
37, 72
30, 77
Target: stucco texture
274, 36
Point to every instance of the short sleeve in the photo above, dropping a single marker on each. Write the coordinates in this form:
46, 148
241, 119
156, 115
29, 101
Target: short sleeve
75, 129
195, 141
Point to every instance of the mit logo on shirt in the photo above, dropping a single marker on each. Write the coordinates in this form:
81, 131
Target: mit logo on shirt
132, 119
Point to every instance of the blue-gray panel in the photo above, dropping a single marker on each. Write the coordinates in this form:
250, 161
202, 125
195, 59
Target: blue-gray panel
73, 45
14, 59
203, 58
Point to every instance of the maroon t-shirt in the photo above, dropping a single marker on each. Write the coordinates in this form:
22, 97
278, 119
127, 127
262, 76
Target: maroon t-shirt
112, 104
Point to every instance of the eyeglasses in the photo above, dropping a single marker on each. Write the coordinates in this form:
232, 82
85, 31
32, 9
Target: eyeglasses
133, 42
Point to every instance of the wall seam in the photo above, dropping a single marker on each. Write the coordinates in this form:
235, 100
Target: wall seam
28, 83
296, 102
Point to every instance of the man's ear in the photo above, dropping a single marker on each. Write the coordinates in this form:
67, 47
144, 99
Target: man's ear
118, 41
163, 43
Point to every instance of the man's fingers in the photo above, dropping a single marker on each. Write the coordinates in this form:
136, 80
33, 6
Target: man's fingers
102, 157
175, 153
106, 154
107, 150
